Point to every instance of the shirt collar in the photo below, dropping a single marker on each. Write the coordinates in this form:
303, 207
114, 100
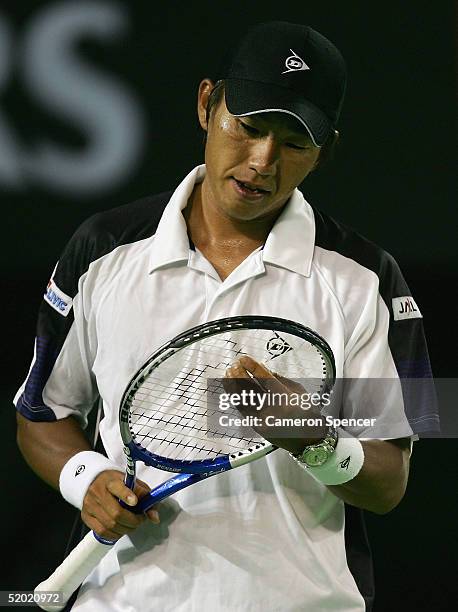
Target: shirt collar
290, 243
171, 241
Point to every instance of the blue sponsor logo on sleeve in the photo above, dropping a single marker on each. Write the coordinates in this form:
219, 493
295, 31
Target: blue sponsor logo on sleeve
57, 299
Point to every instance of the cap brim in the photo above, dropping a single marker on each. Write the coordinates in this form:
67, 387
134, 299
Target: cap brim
249, 98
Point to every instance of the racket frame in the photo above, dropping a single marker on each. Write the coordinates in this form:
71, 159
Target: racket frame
135, 452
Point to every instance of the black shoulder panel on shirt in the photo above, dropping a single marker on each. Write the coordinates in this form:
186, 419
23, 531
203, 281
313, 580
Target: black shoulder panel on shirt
97, 236
405, 337
335, 236
105, 231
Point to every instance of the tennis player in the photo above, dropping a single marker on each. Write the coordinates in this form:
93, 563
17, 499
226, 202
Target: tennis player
235, 237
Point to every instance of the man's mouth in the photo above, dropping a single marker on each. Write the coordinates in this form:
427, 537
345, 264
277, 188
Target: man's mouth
251, 187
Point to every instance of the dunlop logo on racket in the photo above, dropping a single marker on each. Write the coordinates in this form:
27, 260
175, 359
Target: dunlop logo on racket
277, 346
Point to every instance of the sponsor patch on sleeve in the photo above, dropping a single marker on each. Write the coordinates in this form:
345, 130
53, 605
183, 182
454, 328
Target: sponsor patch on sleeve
57, 299
405, 308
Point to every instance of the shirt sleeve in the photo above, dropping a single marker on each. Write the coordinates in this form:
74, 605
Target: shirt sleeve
387, 372
60, 381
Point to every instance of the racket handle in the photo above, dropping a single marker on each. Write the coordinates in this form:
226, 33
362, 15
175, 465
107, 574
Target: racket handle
90, 551
73, 570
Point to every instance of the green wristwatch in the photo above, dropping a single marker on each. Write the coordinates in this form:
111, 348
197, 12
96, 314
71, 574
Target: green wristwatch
317, 454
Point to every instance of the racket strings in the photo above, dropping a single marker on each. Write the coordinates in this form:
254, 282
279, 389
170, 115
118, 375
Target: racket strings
182, 436
175, 409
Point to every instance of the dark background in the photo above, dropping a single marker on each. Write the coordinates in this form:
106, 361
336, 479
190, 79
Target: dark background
392, 180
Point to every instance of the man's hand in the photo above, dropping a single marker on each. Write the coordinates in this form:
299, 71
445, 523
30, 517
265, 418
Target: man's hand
102, 511
47, 446
381, 483
247, 374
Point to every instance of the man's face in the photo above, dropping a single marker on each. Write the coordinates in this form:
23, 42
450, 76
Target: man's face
254, 163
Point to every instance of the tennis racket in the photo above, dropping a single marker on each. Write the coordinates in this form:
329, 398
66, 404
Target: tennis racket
167, 420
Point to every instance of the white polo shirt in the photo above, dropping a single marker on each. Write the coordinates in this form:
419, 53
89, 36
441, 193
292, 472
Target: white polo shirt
266, 536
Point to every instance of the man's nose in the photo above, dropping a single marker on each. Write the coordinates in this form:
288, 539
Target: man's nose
264, 156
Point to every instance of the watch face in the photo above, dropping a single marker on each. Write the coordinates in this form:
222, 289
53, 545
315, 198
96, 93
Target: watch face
316, 456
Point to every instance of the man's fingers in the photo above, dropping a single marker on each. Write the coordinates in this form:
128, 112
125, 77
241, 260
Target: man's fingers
291, 385
141, 489
153, 516
129, 519
113, 482
102, 511
93, 523
107, 526
259, 370
246, 367
109, 511
237, 379
142, 486
118, 520
120, 491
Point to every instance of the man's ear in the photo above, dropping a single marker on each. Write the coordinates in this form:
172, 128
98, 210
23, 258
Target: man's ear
205, 88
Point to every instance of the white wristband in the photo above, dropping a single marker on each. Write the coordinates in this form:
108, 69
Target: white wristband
343, 465
79, 472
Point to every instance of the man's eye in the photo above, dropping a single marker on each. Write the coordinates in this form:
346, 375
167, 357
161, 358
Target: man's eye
248, 128
292, 145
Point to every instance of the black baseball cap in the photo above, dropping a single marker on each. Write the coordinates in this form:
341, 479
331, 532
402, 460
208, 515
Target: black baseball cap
290, 68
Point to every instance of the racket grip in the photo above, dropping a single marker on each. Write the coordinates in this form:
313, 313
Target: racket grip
73, 570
